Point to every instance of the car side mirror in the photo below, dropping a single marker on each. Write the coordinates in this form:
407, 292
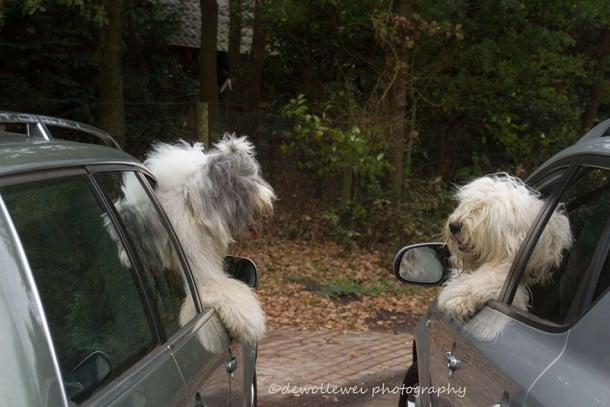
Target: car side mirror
242, 269
423, 264
87, 375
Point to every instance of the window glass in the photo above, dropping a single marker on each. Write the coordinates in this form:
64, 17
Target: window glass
165, 278
604, 281
90, 296
587, 204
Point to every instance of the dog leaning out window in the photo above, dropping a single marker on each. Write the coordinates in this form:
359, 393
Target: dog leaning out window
484, 233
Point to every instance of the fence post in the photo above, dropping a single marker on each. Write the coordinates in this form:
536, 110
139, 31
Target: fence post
203, 123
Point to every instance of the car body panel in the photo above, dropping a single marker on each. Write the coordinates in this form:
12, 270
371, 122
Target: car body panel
575, 370
494, 367
29, 369
37, 155
154, 381
201, 353
242, 380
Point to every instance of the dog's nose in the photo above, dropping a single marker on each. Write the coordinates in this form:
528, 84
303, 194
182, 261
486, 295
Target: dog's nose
455, 227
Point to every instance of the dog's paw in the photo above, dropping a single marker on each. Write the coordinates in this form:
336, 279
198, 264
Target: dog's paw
238, 308
458, 305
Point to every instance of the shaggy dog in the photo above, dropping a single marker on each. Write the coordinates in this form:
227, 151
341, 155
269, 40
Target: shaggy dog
212, 199
484, 234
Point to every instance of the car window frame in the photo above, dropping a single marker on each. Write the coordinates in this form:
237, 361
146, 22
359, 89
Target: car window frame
161, 342
82, 173
571, 167
146, 180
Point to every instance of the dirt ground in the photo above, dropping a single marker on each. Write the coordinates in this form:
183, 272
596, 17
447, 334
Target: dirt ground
311, 283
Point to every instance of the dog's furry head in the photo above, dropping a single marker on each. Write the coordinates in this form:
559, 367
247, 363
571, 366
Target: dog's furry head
491, 221
222, 189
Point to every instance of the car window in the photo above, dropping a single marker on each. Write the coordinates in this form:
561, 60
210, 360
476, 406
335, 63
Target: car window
96, 313
163, 273
573, 286
604, 281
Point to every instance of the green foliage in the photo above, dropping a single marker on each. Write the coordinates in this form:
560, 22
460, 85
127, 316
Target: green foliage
91, 10
347, 287
49, 71
491, 85
426, 204
329, 150
395, 31
53, 69
156, 85
320, 47
515, 88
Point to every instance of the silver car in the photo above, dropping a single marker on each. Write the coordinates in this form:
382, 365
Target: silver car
557, 353
86, 317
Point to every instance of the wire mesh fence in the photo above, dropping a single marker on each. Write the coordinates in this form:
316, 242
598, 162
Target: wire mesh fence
148, 123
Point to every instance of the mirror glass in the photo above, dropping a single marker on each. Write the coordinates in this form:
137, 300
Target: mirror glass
87, 375
242, 269
422, 264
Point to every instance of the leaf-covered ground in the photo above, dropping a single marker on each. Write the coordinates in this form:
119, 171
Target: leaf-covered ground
316, 284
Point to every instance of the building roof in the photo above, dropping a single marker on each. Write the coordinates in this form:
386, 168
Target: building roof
189, 31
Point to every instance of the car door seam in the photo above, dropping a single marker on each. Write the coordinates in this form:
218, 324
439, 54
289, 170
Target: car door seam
546, 369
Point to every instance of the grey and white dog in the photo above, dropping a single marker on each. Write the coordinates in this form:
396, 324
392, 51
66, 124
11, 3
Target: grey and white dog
212, 199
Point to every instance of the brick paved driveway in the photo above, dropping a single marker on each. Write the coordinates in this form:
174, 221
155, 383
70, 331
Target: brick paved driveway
319, 369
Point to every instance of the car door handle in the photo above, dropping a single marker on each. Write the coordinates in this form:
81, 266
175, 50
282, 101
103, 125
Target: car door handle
231, 364
453, 363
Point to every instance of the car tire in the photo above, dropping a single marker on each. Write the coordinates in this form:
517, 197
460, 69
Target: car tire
411, 380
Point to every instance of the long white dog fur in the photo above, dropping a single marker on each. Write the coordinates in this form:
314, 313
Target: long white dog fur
484, 233
213, 199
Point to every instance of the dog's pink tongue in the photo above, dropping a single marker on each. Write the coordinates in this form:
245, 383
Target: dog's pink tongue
254, 232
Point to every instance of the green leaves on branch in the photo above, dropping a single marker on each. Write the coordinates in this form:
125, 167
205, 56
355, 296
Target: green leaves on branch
92, 10
330, 150
394, 30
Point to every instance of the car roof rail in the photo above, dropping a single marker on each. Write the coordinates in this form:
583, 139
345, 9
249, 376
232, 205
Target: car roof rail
601, 130
37, 126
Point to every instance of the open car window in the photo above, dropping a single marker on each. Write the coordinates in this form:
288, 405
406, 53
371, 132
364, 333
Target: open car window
579, 280
155, 251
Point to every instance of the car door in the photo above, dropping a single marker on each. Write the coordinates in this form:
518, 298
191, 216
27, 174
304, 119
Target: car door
196, 338
105, 337
576, 302
490, 360
502, 354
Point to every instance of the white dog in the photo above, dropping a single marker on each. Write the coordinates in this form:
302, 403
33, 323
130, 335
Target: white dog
212, 199
484, 234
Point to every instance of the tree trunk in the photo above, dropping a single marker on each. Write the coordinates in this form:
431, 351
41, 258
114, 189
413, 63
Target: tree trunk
398, 111
208, 77
346, 184
259, 43
234, 57
597, 90
110, 78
